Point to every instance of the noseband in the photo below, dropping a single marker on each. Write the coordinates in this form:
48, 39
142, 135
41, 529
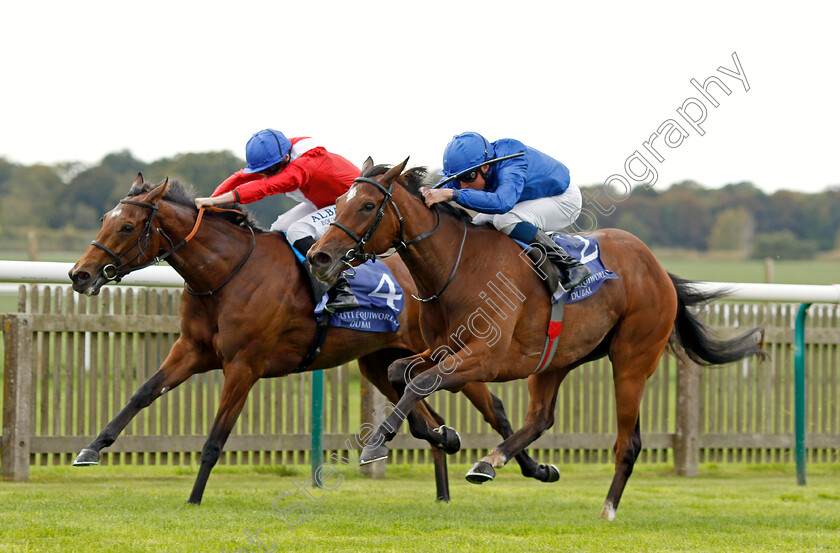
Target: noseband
357, 253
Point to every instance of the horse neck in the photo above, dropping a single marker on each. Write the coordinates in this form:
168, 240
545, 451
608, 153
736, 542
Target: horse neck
215, 250
432, 259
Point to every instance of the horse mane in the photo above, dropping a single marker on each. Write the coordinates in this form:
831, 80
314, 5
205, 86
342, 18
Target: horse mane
177, 193
414, 178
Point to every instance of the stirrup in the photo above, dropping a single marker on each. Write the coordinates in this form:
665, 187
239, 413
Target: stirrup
573, 275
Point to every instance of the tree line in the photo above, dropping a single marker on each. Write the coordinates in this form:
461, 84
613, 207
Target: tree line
70, 198
737, 217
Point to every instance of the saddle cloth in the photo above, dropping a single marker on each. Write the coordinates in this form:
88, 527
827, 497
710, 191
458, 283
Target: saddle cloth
380, 296
587, 251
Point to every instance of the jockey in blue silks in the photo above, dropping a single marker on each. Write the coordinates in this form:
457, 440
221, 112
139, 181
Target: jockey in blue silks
517, 189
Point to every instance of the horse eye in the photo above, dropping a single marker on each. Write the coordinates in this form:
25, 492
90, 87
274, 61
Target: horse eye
368, 206
127, 228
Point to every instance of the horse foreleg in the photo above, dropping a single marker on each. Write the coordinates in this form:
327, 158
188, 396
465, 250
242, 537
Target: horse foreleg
184, 360
238, 383
443, 437
494, 414
420, 387
542, 389
421, 420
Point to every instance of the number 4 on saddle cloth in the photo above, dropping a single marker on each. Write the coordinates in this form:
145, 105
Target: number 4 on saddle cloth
586, 250
380, 299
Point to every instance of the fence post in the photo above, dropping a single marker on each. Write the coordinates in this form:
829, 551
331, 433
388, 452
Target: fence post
17, 388
687, 440
372, 401
317, 449
799, 394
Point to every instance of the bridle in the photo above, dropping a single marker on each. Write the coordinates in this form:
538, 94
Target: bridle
357, 252
117, 270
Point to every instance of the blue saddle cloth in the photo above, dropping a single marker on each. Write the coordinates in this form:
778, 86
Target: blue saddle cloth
588, 252
381, 300
380, 296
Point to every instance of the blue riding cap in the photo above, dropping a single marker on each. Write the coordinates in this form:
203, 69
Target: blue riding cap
266, 148
465, 152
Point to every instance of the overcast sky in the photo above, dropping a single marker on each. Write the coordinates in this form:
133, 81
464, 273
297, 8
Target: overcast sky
588, 84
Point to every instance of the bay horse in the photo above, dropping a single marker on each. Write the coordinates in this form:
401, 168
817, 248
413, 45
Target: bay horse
476, 335
257, 323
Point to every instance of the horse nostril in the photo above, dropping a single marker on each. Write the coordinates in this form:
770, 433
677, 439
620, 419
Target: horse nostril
320, 259
81, 276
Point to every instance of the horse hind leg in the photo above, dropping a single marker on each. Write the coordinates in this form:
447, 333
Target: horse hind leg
633, 363
625, 460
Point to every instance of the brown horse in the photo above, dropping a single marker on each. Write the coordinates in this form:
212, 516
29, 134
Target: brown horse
249, 335
480, 326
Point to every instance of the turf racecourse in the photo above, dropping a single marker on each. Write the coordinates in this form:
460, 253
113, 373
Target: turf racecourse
139, 509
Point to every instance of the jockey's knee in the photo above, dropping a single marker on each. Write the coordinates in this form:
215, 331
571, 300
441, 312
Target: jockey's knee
506, 222
303, 244
300, 230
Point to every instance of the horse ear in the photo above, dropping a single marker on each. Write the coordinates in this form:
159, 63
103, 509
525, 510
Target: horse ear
157, 192
137, 185
367, 165
394, 172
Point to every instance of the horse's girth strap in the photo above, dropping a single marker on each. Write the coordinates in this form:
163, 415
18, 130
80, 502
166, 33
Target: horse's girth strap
317, 342
555, 327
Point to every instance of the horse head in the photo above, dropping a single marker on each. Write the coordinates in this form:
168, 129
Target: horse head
126, 241
364, 227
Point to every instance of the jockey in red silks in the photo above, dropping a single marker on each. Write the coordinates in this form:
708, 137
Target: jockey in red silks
305, 171
519, 190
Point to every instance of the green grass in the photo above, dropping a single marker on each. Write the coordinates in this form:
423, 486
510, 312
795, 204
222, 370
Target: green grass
67, 256
752, 270
128, 509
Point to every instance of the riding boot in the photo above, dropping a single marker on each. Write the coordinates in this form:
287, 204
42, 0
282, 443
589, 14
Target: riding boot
341, 297
572, 271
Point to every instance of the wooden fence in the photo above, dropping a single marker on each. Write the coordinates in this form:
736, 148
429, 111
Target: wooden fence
71, 362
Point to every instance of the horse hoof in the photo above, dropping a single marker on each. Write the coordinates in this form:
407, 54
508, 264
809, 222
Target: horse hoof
547, 473
373, 454
608, 512
480, 473
86, 458
451, 439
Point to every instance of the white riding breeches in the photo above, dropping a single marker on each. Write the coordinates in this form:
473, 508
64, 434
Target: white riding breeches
304, 220
549, 214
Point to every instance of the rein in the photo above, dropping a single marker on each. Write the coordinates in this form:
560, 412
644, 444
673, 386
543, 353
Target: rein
357, 253
116, 271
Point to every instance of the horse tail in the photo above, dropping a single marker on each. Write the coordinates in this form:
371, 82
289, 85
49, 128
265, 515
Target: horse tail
697, 339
